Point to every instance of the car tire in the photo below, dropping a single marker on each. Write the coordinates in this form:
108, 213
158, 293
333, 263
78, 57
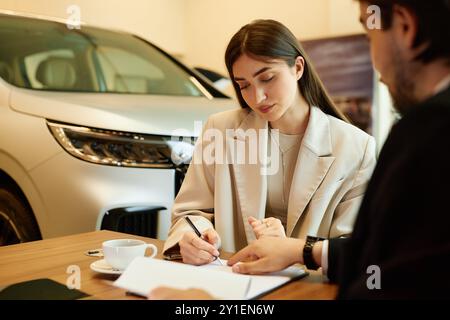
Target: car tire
17, 222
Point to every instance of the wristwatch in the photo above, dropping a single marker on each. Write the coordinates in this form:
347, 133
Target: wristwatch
308, 259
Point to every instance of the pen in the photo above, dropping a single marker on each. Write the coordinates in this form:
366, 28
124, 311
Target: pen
199, 234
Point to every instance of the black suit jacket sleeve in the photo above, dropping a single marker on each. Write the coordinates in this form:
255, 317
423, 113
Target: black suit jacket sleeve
336, 247
403, 223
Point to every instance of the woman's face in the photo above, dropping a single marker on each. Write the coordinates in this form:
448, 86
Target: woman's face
268, 87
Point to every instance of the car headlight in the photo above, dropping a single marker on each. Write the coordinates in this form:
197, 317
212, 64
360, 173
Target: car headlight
118, 148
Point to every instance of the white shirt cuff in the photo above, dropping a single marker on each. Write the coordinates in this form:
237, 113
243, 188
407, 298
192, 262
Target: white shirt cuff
325, 257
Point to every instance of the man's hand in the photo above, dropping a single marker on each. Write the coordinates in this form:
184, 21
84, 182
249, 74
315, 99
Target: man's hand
199, 251
165, 293
269, 227
267, 254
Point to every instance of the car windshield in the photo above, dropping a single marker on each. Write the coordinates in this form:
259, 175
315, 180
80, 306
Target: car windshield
46, 55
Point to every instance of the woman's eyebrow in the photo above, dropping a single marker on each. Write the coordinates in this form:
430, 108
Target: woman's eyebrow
255, 74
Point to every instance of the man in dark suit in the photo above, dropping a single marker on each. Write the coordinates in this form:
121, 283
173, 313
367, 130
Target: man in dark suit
403, 223
400, 246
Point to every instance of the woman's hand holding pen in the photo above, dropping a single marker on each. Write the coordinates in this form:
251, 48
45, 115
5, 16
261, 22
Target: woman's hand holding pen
268, 227
199, 251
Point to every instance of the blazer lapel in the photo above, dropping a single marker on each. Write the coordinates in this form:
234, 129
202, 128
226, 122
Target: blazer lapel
313, 162
251, 185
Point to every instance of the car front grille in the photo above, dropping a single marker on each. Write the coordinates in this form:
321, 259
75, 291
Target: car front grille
140, 221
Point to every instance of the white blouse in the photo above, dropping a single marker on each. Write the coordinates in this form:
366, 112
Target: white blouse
279, 184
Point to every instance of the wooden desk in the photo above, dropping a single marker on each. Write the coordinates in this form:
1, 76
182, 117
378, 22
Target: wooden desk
50, 259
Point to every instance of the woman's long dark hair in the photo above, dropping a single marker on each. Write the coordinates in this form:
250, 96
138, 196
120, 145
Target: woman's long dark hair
269, 39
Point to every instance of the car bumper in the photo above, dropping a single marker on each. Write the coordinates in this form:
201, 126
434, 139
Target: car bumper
76, 194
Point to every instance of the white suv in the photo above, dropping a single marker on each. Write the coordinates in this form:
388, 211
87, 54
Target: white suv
87, 122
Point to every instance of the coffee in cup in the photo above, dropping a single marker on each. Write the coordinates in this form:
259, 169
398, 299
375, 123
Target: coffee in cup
119, 253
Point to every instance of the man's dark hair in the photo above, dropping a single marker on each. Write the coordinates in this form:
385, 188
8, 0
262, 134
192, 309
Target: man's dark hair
433, 18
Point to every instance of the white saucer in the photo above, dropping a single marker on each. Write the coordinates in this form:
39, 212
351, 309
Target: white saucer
103, 267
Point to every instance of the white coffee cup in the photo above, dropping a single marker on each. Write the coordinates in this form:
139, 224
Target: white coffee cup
119, 253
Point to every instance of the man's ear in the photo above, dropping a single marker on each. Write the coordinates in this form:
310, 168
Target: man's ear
299, 67
406, 26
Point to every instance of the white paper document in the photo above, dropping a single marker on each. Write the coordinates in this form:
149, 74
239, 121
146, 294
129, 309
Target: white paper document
145, 274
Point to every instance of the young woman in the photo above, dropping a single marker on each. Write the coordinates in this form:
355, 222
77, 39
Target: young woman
312, 165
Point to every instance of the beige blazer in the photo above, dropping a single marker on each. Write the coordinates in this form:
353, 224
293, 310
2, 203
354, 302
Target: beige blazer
334, 164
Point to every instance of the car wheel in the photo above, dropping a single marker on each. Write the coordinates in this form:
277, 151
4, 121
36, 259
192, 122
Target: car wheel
17, 223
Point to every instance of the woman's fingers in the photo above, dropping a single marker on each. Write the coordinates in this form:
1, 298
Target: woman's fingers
268, 227
197, 258
192, 255
201, 244
195, 250
252, 220
212, 237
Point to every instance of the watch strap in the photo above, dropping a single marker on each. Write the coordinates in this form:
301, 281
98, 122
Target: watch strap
308, 259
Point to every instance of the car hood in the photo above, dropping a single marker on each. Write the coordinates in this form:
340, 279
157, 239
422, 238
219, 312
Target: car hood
150, 114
